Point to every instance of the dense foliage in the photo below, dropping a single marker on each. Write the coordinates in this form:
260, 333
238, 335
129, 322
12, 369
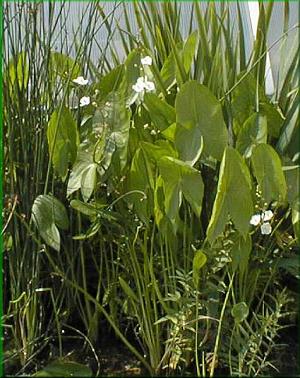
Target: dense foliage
158, 195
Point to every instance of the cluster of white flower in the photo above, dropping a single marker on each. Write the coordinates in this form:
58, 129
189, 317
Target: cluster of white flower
85, 100
143, 84
263, 219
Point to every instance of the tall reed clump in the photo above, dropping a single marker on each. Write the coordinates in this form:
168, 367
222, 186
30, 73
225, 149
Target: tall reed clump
40, 62
180, 173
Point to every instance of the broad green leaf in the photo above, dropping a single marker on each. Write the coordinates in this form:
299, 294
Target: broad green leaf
83, 161
268, 172
161, 113
180, 178
274, 118
199, 261
65, 369
240, 311
233, 197
118, 122
198, 111
169, 133
253, 132
168, 71
88, 181
158, 150
47, 214
244, 99
127, 290
64, 66
63, 139
189, 143
111, 81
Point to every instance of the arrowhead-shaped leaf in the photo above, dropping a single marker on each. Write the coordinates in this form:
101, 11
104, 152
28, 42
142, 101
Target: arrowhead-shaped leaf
200, 114
233, 196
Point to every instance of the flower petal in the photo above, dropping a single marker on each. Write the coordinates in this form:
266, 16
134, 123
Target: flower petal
80, 80
266, 228
255, 219
146, 61
84, 101
267, 215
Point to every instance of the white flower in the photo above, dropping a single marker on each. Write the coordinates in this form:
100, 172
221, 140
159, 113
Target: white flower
153, 132
80, 80
255, 219
146, 61
139, 85
143, 84
267, 215
149, 86
266, 228
84, 101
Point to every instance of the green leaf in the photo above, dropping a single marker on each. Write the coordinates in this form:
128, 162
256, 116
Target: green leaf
269, 174
292, 178
199, 261
240, 311
17, 72
253, 132
85, 208
83, 161
63, 139
158, 150
244, 99
189, 49
189, 143
64, 66
161, 113
233, 196
47, 214
88, 181
66, 369
127, 290
274, 118
199, 112
180, 178
118, 122
111, 81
